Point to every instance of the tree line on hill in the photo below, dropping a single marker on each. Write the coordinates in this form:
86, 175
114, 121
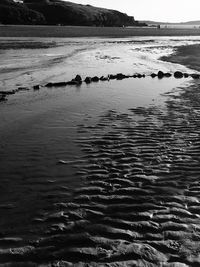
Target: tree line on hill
57, 12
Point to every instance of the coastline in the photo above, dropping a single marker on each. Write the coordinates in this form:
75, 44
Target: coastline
83, 31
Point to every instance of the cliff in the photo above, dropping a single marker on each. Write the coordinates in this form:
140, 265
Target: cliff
17, 13
57, 12
68, 13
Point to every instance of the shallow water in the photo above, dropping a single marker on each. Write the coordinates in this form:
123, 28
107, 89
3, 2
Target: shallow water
48, 136
92, 56
39, 129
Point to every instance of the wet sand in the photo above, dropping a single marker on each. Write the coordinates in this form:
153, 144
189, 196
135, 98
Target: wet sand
81, 31
136, 201
125, 187
186, 55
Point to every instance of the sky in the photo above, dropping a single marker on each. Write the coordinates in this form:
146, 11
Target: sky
156, 10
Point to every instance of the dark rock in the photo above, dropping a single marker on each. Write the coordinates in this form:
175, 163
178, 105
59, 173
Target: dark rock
60, 84
12, 92
78, 82
143, 76
112, 77
102, 78
160, 74
56, 84
78, 78
22, 89
95, 79
73, 82
167, 74
49, 85
186, 75
153, 75
195, 76
139, 76
134, 76
3, 98
36, 87
88, 80
120, 76
178, 74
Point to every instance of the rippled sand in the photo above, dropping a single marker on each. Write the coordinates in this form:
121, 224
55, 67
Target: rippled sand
137, 201
105, 174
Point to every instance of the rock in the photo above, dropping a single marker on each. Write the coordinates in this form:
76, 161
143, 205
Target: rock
120, 76
95, 79
134, 76
73, 82
195, 76
59, 84
139, 76
3, 98
186, 75
78, 78
153, 75
88, 80
49, 85
167, 74
160, 74
143, 75
178, 74
36, 87
22, 89
102, 78
11, 92
78, 82
112, 77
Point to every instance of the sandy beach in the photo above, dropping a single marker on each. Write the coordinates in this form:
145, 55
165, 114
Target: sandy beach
81, 31
105, 173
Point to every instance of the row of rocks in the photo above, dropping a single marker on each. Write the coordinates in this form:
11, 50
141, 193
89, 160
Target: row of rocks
5, 94
120, 76
77, 81
177, 74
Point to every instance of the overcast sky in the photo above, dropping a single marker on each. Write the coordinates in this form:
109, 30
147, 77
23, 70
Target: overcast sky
158, 10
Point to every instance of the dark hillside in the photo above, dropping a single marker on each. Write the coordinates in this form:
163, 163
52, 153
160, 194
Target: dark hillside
57, 12
68, 13
16, 13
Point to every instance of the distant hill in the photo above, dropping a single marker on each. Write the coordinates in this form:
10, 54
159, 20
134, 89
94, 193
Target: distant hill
57, 12
195, 22
68, 13
149, 22
16, 13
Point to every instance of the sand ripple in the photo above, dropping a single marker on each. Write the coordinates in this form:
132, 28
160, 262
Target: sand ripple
138, 204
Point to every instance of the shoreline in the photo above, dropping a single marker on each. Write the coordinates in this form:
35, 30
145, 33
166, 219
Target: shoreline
188, 56
86, 31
